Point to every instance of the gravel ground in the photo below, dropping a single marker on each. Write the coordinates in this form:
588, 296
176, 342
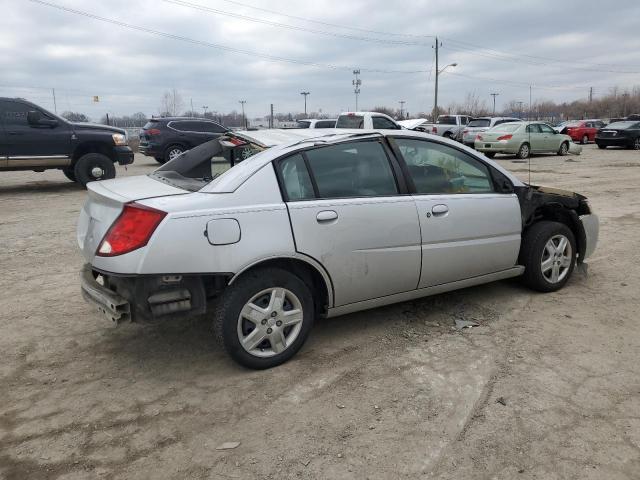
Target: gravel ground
547, 387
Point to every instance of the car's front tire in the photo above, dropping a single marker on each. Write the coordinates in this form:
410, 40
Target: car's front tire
489, 154
548, 254
585, 140
564, 149
92, 167
264, 318
601, 147
160, 160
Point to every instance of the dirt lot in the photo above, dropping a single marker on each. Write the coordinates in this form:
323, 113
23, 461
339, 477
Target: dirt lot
547, 387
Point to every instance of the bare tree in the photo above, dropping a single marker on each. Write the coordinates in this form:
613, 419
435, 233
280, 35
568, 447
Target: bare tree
75, 116
171, 103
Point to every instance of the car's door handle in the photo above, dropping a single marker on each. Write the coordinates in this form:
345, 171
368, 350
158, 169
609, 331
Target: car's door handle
440, 209
326, 216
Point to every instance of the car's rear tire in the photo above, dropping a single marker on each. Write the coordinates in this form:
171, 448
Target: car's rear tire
262, 301
92, 167
585, 140
489, 154
564, 149
447, 135
548, 254
524, 151
636, 143
601, 147
173, 151
69, 173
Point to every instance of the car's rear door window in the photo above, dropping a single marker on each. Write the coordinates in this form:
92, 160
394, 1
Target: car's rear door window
353, 169
439, 169
383, 123
295, 178
326, 124
350, 121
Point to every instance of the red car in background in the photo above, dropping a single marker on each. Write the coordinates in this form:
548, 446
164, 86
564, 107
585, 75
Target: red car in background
583, 131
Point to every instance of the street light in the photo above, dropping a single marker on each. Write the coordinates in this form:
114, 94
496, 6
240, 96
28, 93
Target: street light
438, 72
204, 108
494, 95
305, 101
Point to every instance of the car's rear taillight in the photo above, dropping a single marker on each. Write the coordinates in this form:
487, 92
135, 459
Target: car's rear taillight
505, 137
464, 132
153, 131
131, 230
479, 137
434, 130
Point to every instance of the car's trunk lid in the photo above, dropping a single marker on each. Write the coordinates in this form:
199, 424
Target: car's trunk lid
105, 201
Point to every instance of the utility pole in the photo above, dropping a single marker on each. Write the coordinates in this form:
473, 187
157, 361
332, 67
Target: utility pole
625, 95
271, 117
55, 106
244, 119
435, 97
192, 112
530, 95
402, 102
305, 101
204, 108
520, 108
356, 84
494, 95
590, 94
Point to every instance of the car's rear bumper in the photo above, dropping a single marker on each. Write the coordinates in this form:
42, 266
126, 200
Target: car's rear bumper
124, 155
591, 226
112, 305
496, 147
613, 142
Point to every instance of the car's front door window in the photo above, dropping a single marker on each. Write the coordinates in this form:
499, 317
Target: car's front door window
439, 169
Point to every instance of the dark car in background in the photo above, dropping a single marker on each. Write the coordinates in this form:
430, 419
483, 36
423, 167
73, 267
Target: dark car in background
167, 137
32, 138
619, 134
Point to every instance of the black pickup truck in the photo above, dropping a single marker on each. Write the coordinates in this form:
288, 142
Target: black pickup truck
31, 138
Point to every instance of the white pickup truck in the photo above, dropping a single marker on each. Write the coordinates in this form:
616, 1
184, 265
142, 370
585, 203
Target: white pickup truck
447, 125
367, 120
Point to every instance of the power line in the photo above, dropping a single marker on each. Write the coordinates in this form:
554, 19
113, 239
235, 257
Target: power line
216, 11
216, 45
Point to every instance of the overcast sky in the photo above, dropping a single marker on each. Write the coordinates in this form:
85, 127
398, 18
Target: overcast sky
561, 47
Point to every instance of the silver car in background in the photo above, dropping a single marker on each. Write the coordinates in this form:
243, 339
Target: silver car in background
482, 124
317, 224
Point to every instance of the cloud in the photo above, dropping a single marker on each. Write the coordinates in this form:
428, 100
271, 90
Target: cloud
43, 48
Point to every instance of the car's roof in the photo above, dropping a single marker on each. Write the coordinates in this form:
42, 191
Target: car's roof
280, 142
172, 119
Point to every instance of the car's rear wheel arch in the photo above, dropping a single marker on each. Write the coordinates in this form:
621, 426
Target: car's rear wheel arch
307, 269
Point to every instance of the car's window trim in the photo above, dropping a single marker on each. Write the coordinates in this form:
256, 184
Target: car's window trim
493, 172
191, 131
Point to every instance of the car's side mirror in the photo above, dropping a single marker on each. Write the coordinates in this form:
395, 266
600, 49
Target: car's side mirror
34, 117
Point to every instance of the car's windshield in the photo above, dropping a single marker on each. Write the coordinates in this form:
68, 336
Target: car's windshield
621, 125
197, 167
506, 127
350, 121
480, 122
446, 120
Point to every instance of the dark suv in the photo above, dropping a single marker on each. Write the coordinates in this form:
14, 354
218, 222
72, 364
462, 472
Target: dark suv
31, 138
166, 138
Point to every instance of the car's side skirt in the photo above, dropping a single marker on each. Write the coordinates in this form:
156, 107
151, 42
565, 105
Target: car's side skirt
425, 292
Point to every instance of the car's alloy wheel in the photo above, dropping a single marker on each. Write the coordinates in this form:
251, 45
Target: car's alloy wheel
173, 153
270, 322
585, 139
564, 149
636, 144
557, 258
523, 151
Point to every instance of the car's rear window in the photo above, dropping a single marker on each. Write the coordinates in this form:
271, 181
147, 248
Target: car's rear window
303, 124
446, 120
150, 124
350, 121
621, 125
481, 122
506, 127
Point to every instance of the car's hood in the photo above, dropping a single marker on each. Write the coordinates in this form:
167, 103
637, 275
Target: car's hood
96, 126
